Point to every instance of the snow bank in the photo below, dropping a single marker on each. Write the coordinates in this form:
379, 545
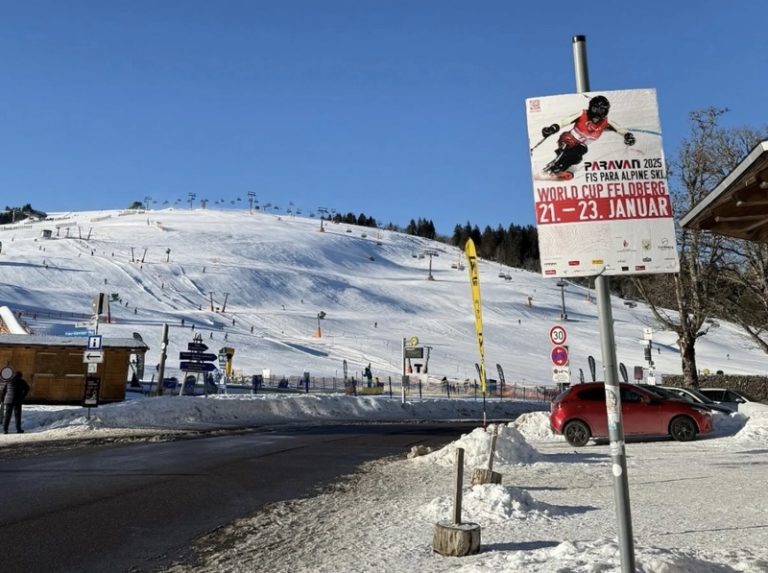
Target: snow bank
511, 449
603, 556
755, 431
243, 410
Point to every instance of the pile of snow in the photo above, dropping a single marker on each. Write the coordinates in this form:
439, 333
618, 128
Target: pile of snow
535, 426
487, 504
511, 449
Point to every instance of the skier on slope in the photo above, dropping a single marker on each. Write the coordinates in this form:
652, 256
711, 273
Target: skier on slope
588, 126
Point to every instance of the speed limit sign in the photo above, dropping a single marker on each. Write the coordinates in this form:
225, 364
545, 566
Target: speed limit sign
557, 335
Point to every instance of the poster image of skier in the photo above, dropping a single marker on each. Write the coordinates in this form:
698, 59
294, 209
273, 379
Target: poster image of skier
600, 191
583, 129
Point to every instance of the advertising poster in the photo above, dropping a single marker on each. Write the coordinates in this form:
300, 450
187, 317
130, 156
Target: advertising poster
600, 184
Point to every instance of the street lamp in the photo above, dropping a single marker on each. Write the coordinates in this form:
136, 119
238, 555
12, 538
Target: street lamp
320, 316
561, 284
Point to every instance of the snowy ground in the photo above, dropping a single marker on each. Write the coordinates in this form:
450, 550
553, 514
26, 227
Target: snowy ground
697, 507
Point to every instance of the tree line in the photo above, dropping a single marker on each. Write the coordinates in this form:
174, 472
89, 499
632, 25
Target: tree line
13, 214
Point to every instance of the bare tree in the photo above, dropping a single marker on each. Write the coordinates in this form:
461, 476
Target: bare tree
745, 294
705, 157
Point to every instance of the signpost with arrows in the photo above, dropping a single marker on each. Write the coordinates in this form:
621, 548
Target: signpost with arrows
196, 360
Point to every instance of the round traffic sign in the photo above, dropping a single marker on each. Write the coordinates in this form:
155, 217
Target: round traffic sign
557, 335
414, 341
6, 373
559, 355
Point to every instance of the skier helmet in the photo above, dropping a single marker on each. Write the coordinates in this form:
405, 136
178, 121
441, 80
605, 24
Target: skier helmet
598, 108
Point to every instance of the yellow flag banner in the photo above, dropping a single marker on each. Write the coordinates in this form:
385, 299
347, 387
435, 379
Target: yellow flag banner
474, 282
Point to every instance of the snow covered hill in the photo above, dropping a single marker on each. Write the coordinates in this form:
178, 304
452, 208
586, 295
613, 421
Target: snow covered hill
269, 277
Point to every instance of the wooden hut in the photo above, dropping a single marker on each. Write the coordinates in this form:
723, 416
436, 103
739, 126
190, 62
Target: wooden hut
56, 370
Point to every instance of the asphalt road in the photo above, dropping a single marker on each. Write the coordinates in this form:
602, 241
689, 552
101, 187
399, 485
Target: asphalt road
138, 507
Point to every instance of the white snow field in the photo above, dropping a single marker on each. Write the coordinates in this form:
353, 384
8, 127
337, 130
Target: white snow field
277, 273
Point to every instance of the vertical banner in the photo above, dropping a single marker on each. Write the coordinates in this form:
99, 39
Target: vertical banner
600, 184
474, 282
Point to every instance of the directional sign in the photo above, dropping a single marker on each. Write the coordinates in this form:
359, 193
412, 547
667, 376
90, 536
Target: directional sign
94, 342
647, 334
197, 347
94, 356
559, 355
198, 356
197, 367
557, 335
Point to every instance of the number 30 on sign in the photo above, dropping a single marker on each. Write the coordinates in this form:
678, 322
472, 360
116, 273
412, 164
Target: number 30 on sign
557, 335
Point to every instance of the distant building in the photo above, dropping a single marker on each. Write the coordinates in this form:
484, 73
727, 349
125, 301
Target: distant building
55, 369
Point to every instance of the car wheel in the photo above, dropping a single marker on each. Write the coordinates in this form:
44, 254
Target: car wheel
682, 429
576, 433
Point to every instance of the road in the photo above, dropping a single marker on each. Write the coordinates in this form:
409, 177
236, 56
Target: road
138, 507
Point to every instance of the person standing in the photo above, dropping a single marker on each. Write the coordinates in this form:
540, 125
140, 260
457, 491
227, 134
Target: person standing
14, 392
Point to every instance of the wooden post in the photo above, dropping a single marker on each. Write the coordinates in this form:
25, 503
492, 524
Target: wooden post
457, 539
458, 484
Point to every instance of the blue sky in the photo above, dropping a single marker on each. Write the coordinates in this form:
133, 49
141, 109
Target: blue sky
398, 109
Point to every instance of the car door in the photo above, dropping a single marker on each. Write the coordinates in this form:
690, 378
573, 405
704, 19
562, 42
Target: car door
641, 413
590, 407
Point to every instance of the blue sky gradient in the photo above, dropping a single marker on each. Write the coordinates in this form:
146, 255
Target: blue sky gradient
398, 109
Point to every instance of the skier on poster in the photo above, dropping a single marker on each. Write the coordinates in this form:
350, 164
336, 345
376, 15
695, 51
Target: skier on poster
572, 145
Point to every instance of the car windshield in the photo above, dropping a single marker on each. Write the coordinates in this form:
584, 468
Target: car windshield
699, 395
660, 392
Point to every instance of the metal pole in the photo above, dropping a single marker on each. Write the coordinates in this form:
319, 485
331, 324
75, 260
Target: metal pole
612, 391
163, 349
402, 380
562, 296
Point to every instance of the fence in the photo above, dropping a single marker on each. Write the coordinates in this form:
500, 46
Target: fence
415, 387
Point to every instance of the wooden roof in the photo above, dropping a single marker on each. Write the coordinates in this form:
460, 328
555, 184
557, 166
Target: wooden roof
70, 341
738, 206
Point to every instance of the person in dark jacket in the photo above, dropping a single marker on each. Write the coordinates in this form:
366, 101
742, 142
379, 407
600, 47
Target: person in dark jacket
14, 392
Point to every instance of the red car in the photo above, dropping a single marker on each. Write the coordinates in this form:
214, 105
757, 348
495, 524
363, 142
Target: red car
579, 413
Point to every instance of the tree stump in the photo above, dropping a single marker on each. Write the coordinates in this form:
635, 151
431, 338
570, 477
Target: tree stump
482, 476
456, 540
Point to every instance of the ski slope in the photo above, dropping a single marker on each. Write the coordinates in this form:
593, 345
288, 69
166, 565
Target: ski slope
269, 277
